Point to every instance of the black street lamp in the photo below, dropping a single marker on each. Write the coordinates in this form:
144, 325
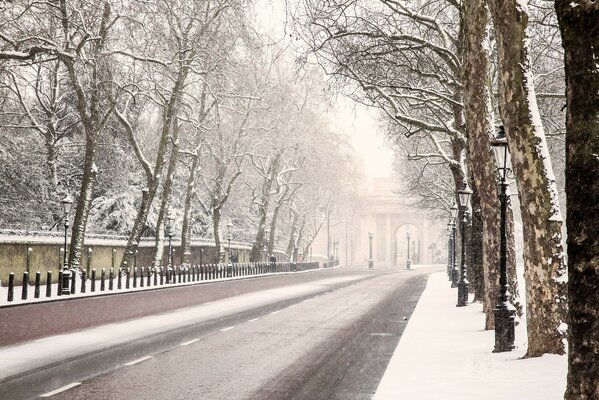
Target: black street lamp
464, 195
67, 204
370, 260
229, 237
408, 261
449, 263
455, 272
169, 231
504, 314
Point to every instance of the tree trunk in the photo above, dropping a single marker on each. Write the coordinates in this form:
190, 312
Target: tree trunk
167, 194
216, 231
273, 227
265, 196
579, 27
544, 270
91, 108
84, 200
479, 122
152, 176
475, 256
186, 229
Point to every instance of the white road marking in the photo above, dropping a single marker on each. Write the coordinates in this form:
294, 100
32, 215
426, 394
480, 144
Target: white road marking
62, 389
227, 329
189, 342
381, 334
46, 338
293, 305
275, 312
138, 360
253, 319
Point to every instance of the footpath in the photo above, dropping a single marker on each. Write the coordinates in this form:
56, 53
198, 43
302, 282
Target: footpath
445, 353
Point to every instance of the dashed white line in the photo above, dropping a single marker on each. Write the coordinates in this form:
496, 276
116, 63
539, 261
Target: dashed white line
62, 389
275, 312
253, 319
227, 329
138, 360
189, 342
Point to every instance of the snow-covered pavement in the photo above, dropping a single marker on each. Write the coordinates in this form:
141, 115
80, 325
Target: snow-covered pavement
445, 353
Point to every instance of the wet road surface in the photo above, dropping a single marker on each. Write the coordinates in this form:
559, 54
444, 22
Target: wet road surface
333, 344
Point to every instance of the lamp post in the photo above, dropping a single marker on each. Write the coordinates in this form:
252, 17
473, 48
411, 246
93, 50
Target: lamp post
455, 272
67, 204
408, 261
230, 264
169, 231
464, 195
449, 263
370, 260
503, 313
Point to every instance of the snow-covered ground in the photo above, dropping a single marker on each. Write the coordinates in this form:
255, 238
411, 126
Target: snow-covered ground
445, 353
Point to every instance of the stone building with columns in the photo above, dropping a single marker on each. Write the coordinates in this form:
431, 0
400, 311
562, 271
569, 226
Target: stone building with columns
399, 232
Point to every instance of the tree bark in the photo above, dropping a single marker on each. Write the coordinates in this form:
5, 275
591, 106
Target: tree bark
479, 123
265, 197
544, 269
167, 194
186, 226
476, 247
152, 175
579, 25
90, 107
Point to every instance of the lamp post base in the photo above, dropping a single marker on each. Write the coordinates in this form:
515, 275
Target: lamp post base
462, 293
504, 329
408, 264
370, 264
66, 279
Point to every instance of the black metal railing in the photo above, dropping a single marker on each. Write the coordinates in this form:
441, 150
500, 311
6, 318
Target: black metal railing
133, 278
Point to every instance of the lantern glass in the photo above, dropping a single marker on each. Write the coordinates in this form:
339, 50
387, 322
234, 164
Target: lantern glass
501, 152
370, 235
454, 211
67, 204
464, 195
169, 221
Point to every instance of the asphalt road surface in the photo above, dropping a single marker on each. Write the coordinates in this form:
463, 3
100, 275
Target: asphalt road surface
332, 343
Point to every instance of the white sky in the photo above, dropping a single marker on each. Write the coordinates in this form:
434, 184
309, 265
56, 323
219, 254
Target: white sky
348, 118
367, 137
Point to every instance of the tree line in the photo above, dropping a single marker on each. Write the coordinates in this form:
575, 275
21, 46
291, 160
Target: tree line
143, 110
446, 75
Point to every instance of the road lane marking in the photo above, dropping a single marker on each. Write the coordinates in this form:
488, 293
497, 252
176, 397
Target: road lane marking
293, 305
62, 389
138, 360
275, 312
381, 334
227, 329
189, 342
253, 319
46, 338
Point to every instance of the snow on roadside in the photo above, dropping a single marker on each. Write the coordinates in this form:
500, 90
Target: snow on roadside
445, 353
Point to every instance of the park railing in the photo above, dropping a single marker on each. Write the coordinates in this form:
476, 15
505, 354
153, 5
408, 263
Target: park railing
134, 279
